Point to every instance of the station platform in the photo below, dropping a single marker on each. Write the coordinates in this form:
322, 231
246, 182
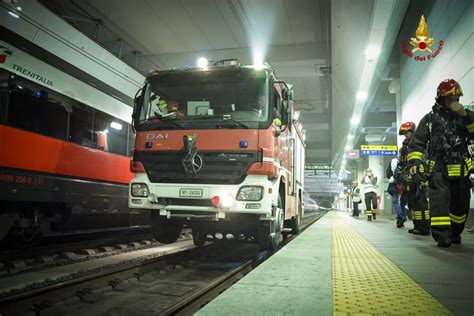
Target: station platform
346, 266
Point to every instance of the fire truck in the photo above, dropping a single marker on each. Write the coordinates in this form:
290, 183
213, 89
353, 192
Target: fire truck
220, 150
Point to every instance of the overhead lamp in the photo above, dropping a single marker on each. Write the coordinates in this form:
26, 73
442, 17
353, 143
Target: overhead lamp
19, 8
13, 14
116, 126
355, 120
361, 95
202, 62
348, 147
372, 52
350, 136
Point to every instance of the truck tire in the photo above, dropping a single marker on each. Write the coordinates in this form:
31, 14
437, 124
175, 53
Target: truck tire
165, 231
199, 238
270, 232
295, 221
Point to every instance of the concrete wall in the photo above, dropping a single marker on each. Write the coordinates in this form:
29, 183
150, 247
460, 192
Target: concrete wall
452, 22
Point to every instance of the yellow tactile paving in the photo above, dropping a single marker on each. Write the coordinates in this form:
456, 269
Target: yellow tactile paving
365, 282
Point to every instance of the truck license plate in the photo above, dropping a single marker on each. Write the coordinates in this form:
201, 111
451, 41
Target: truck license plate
190, 192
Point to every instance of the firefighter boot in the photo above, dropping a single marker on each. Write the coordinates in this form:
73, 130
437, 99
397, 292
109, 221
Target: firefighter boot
374, 214
456, 239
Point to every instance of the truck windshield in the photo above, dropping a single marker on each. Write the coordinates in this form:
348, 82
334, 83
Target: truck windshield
190, 100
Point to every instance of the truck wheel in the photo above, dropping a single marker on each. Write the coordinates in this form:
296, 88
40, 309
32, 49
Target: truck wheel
199, 237
269, 235
295, 221
295, 225
165, 231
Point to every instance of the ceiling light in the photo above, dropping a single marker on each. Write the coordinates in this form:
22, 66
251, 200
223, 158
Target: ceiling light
348, 147
355, 120
13, 14
202, 62
361, 95
258, 59
372, 52
116, 126
18, 8
350, 136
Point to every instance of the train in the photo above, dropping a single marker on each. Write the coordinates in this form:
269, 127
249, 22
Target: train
65, 148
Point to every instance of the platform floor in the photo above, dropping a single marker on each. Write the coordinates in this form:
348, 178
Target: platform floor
346, 266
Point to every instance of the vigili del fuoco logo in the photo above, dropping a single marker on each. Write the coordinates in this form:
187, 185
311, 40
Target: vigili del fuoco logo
422, 44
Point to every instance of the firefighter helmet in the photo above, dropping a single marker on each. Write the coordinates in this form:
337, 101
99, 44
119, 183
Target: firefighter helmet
447, 88
407, 127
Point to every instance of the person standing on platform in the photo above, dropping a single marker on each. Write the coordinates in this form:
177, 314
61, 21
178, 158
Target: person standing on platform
393, 191
369, 181
356, 199
414, 187
445, 133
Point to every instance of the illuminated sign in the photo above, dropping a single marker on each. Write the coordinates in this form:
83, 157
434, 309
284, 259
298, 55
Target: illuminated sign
352, 154
378, 147
378, 152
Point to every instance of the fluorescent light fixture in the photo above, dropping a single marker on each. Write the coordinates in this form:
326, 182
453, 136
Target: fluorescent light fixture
202, 62
13, 14
258, 59
116, 126
361, 95
372, 52
350, 136
355, 120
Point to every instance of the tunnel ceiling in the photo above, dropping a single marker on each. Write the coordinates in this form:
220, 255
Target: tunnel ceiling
296, 37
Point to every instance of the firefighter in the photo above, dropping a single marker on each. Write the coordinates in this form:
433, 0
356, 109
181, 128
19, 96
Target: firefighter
370, 194
414, 188
445, 133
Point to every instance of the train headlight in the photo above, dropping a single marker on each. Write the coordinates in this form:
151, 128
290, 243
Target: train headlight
250, 193
140, 190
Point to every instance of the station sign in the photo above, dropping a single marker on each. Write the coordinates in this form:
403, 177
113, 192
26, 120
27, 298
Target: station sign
352, 154
378, 147
379, 152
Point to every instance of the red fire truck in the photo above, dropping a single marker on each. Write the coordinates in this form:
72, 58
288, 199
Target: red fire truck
218, 149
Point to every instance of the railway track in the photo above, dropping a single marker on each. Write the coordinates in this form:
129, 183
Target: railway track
173, 283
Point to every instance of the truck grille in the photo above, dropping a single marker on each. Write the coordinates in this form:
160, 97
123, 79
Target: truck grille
217, 168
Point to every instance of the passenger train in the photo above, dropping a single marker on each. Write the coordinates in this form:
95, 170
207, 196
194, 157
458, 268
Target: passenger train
64, 155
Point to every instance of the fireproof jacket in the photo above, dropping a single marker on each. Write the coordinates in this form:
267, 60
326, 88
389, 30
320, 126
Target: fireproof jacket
445, 136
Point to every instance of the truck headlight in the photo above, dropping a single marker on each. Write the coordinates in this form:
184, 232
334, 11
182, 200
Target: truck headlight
139, 190
250, 193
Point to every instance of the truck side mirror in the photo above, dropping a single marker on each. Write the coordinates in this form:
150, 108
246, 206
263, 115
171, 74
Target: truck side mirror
137, 101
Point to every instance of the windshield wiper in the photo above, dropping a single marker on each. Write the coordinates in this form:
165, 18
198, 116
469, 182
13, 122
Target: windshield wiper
164, 122
222, 119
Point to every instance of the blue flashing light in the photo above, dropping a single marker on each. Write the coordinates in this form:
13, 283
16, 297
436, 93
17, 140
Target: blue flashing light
244, 144
42, 94
148, 144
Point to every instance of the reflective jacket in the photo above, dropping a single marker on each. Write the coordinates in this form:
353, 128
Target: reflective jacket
444, 136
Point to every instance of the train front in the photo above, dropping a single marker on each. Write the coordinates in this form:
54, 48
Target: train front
204, 152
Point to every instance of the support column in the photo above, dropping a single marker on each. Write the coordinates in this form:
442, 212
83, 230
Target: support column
376, 164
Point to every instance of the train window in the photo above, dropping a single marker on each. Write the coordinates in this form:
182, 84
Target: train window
80, 128
110, 134
4, 77
35, 108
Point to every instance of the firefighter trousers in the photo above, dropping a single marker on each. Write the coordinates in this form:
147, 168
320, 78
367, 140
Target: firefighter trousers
370, 205
418, 203
449, 205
